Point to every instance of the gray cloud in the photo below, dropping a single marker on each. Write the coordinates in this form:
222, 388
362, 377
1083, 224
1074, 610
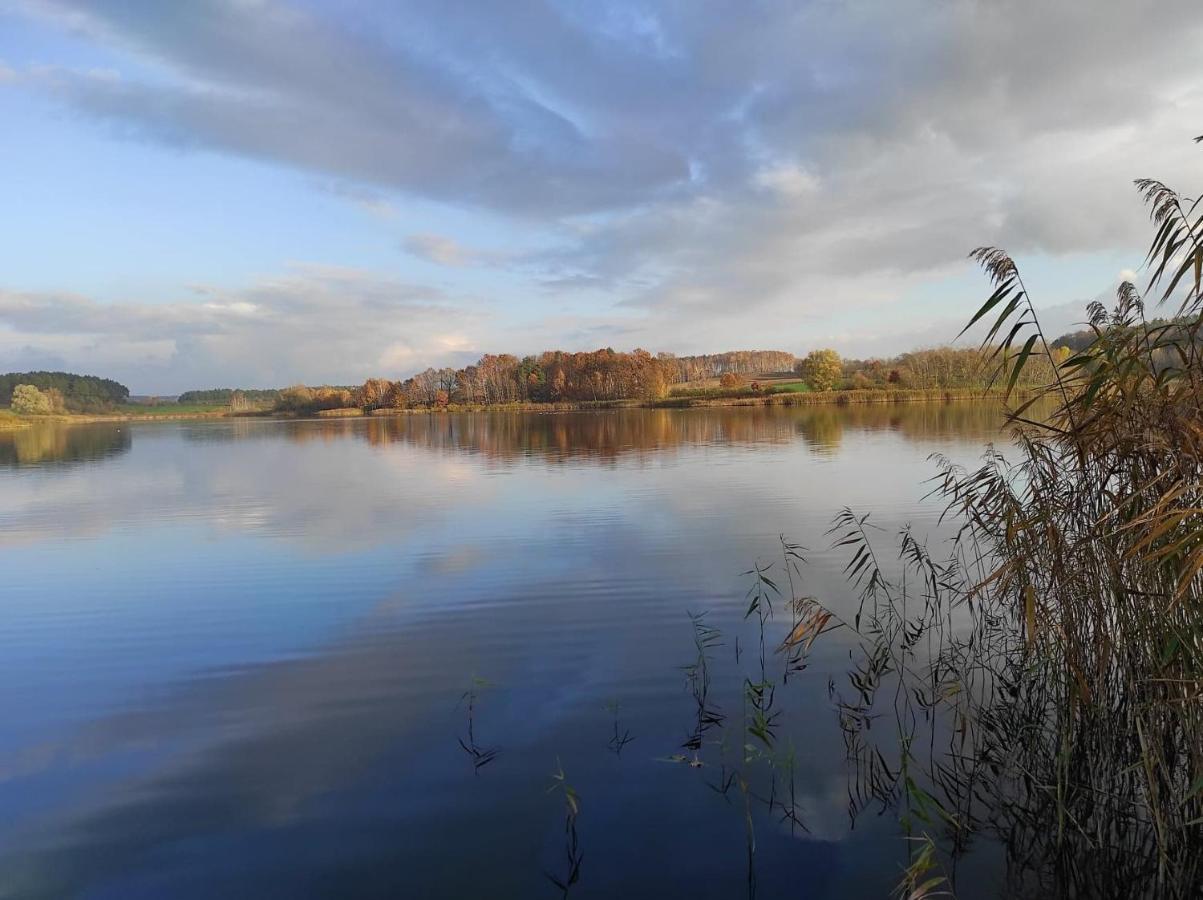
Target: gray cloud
537, 108
375, 105
710, 173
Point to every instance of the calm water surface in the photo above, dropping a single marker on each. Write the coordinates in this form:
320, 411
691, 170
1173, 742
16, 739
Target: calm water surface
234, 653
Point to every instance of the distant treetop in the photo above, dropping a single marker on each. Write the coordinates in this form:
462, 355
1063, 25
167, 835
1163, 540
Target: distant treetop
224, 395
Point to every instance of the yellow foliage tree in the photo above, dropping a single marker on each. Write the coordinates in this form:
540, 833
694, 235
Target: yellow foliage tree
29, 401
822, 369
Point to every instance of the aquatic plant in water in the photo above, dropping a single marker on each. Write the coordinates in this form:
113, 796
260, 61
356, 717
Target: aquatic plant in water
1043, 672
1045, 676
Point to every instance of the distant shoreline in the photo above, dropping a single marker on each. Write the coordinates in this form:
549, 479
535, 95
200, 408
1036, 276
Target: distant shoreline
814, 398
89, 418
783, 398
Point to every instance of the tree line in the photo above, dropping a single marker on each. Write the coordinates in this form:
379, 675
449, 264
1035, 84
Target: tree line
78, 393
735, 362
228, 396
554, 376
607, 375
956, 368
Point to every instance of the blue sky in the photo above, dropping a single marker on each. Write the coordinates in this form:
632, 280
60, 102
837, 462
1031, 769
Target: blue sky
256, 193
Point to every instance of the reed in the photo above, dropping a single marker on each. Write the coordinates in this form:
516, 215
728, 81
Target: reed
1041, 674
707, 714
480, 755
1045, 677
620, 736
573, 855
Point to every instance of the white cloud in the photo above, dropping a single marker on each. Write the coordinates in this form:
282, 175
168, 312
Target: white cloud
236, 307
789, 179
438, 249
311, 323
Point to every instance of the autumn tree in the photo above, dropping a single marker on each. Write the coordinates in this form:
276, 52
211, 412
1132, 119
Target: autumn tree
822, 369
58, 403
294, 399
740, 362
374, 393
394, 397
29, 401
424, 386
303, 399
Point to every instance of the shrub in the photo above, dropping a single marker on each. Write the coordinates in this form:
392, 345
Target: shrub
295, 399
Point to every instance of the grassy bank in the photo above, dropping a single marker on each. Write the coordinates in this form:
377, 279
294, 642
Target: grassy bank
10, 421
824, 398
171, 410
129, 413
351, 412
789, 394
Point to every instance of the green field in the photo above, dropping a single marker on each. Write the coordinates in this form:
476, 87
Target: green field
794, 387
170, 409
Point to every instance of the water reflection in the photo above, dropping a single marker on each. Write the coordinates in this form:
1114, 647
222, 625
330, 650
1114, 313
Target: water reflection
357, 483
605, 436
553, 437
236, 652
338, 772
560, 437
65, 444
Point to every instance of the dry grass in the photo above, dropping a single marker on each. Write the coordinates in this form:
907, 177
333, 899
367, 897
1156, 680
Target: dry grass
1046, 679
341, 413
1040, 680
10, 421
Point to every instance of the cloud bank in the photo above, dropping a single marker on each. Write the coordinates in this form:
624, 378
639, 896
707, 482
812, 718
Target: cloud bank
704, 175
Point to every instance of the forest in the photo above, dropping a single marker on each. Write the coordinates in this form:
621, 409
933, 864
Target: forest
228, 396
607, 376
554, 376
598, 376
80, 393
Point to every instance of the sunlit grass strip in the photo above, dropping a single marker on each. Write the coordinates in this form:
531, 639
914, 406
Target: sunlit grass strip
10, 421
343, 413
835, 398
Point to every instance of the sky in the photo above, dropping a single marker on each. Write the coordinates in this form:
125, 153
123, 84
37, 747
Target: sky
257, 193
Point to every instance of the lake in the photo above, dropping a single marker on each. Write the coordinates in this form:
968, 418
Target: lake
348, 658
